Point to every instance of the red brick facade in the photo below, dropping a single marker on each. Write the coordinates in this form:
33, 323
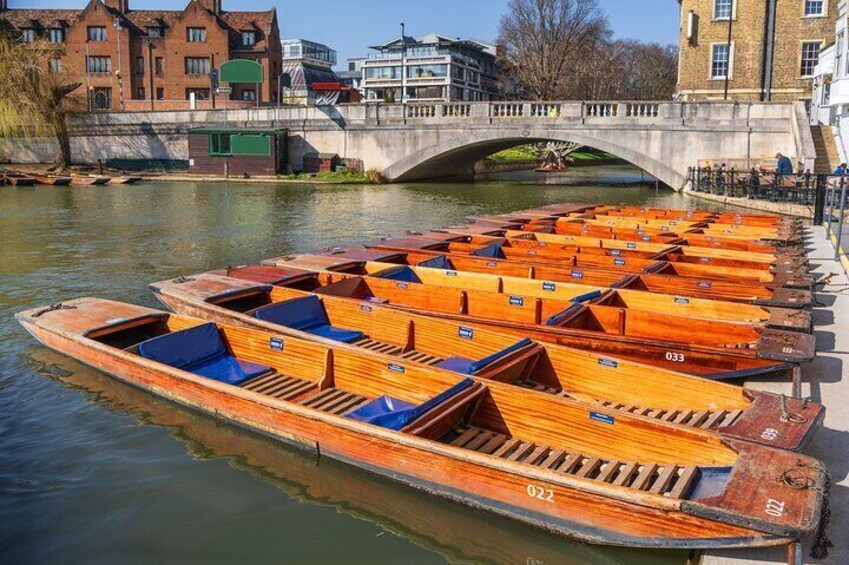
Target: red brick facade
136, 60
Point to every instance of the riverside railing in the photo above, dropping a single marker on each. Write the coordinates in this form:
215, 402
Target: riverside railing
795, 188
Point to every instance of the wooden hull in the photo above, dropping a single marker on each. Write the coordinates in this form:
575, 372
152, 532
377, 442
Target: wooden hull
52, 180
19, 180
498, 486
124, 180
88, 181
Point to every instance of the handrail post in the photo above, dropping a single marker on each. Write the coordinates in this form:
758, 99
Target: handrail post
840, 219
832, 190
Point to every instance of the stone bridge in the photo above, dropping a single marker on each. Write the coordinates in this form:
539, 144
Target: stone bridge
422, 141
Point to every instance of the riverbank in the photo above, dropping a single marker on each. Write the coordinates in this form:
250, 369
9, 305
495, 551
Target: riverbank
783, 208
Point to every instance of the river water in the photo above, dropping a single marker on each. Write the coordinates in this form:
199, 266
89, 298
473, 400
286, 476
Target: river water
92, 471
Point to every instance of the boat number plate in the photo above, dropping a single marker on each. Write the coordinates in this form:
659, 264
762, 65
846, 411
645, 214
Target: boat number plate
705, 259
531, 252
646, 238
402, 286
664, 228
674, 357
619, 261
541, 493
276, 343
365, 308
451, 273
770, 434
517, 301
615, 252
395, 367
603, 418
466, 333
631, 245
492, 264
704, 285
608, 363
577, 274
681, 300
549, 286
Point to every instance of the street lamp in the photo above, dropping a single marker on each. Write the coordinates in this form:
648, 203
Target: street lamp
403, 64
728, 63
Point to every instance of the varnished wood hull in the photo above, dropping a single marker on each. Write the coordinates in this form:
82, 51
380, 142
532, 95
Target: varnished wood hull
52, 180
472, 479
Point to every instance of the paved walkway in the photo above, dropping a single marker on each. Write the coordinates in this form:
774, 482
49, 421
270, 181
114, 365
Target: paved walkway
826, 380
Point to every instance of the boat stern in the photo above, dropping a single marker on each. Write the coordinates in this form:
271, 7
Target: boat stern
777, 421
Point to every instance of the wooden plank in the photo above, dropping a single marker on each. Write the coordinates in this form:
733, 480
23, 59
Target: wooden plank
644, 477
623, 479
682, 485
666, 476
465, 437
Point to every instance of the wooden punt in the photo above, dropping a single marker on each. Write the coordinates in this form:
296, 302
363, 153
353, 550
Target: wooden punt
659, 304
14, 178
773, 295
596, 259
600, 475
717, 350
87, 180
578, 376
50, 179
736, 230
770, 220
124, 179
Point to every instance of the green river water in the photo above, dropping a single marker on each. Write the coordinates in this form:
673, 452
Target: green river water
92, 471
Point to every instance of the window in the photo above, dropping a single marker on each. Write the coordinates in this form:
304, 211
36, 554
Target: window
160, 66
248, 38
219, 144
55, 65
722, 9
196, 34
814, 8
140, 93
56, 35
810, 57
352, 66
27, 35
101, 98
96, 33
838, 55
197, 65
383, 73
100, 64
160, 93
249, 95
154, 32
719, 63
200, 93
427, 71
139, 65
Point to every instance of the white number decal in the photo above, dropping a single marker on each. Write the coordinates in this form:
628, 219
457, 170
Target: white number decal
774, 507
770, 434
676, 357
787, 350
541, 493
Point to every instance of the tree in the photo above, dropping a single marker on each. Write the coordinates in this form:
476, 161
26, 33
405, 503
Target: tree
545, 40
32, 97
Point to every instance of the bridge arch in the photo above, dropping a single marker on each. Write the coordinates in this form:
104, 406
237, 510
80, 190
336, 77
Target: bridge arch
454, 154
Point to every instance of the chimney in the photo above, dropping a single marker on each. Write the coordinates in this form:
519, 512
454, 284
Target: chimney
3, 6
122, 6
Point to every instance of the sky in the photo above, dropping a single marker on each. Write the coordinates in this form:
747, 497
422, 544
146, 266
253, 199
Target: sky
350, 26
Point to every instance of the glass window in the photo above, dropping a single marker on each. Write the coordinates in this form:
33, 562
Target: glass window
27, 35
814, 8
154, 32
810, 57
56, 35
427, 71
197, 65
722, 9
140, 93
383, 73
200, 93
101, 98
160, 93
139, 65
55, 65
719, 61
248, 38
219, 144
838, 55
100, 64
249, 95
96, 33
160, 66
196, 34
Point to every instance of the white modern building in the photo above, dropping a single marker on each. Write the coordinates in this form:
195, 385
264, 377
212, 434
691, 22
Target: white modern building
430, 67
830, 98
307, 63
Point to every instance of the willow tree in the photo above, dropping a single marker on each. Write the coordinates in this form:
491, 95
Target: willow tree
32, 94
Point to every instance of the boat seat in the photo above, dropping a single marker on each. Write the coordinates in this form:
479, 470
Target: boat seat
200, 350
439, 262
402, 274
394, 414
305, 314
470, 367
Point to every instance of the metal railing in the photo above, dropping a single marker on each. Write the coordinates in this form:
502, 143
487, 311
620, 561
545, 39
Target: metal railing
756, 184
835, 197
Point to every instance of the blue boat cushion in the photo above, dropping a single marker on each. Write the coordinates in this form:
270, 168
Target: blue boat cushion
439, 262
394, 414
469, 367
305, 314
403, 273
560, 317
492, 250
200, 350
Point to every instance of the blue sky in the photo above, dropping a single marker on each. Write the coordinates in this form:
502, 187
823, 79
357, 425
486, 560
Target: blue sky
350, 26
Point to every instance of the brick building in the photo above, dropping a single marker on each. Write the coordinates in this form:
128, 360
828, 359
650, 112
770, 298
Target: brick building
774, 47
152, 59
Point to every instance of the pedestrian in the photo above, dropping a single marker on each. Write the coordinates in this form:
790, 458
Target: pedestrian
840, 170
785, 165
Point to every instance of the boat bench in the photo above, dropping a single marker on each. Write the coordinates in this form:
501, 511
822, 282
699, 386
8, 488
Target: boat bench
305, 314
510, 364
202, 351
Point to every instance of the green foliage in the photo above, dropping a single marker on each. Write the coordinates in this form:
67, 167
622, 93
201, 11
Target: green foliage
338, 177
519, 153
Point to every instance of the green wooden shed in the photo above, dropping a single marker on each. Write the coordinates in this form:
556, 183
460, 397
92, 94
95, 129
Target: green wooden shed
238, 151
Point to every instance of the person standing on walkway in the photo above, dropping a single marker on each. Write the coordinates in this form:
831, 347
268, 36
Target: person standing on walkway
840, 170
785, 166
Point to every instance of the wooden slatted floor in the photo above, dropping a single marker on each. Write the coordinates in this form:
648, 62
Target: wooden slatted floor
390, 349
279, 386
673, 481
334, 401
696, 419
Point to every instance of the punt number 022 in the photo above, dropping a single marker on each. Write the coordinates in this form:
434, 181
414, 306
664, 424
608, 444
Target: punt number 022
541, 493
